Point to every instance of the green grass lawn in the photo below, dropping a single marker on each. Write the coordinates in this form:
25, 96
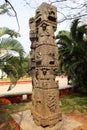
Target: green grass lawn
74, 104
4, 80
21, 79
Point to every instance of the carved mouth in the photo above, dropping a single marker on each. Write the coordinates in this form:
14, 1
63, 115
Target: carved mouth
52, 18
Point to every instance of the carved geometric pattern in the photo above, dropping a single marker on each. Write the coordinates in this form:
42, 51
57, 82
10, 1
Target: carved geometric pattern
52, 102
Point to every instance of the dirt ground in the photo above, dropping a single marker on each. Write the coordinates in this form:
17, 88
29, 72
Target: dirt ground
82, 118
4, 126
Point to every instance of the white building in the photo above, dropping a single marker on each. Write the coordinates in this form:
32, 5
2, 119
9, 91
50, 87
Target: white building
3, 74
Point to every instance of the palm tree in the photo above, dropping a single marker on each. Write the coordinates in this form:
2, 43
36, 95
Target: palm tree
72, 48
9, 47
11, 55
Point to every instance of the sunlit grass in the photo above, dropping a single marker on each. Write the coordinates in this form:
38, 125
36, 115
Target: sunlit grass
4, 80
21, 79
11, 108
73, 104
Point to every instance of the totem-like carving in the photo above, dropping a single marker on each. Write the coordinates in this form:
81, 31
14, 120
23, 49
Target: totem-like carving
44, 64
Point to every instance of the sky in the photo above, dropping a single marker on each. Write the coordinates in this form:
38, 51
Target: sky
24, 12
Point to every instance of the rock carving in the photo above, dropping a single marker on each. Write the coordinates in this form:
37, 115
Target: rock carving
44, 64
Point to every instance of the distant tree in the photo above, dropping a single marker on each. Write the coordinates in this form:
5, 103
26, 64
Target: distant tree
72, 48
67, 9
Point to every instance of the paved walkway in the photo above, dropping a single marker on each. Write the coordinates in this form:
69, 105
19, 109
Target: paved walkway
26, 88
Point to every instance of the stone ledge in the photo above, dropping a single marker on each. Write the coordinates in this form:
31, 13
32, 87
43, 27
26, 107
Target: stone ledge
25, 121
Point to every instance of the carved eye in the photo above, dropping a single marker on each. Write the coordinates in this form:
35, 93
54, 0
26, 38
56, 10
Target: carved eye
38, 12
52, 12
51, 54
51, 62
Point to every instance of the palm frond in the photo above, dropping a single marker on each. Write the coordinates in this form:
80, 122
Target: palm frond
12, 45
5, 30
64, 35
74, 28
82, 33
11, 71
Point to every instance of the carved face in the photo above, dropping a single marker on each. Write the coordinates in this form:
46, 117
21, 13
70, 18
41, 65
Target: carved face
46, 13
51, 15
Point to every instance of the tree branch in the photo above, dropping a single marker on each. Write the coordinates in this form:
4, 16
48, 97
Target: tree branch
71, 18
56, 1
27, 3
14, 13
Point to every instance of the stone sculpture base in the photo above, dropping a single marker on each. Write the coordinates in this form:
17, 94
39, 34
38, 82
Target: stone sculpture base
25, 121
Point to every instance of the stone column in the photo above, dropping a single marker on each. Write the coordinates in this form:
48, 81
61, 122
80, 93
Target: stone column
44, 64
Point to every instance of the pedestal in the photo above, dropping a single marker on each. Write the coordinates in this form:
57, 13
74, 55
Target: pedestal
25, 121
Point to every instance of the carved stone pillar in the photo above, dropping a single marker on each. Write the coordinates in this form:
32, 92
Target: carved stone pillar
44, 64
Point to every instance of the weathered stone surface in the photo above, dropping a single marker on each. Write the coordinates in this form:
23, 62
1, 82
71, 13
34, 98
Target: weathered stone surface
25, 121
43, 65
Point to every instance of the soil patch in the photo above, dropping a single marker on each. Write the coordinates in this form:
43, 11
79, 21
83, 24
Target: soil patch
82, 118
